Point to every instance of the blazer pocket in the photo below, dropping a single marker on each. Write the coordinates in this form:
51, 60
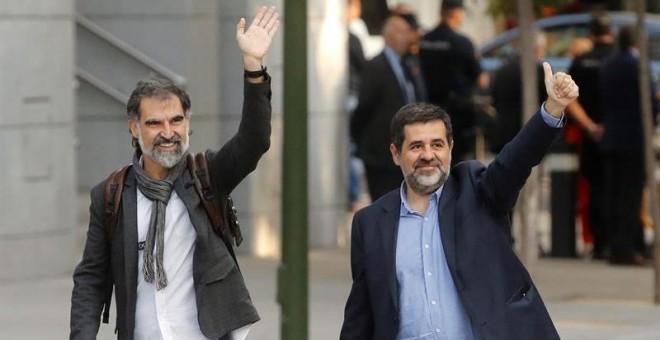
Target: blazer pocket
220, 270
521, 293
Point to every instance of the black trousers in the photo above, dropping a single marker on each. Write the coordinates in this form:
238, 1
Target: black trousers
624, 185
592, 166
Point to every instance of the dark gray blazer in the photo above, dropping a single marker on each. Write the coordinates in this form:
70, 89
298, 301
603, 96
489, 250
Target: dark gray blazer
495, 288
223, 302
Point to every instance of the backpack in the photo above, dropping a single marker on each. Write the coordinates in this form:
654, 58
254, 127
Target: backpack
220, 210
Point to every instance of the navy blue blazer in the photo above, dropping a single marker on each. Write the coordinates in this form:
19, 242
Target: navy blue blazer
494, 286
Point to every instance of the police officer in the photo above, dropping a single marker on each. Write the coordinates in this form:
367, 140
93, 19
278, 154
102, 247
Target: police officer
451, 69
588, 113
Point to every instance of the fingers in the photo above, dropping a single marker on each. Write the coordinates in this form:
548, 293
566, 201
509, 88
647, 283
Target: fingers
265, 18
240, 27
260, 15
547, 70
272, 23
565, 87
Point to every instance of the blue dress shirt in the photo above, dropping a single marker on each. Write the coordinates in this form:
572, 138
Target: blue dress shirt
430, 307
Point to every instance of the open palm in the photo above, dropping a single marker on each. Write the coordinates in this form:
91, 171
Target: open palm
255, 41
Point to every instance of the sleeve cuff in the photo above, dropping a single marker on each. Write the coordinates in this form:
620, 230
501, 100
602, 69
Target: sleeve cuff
550, 120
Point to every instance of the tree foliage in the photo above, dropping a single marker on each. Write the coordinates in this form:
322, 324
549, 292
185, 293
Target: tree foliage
509, 8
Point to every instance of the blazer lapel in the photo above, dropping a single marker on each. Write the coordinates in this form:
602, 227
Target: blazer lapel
130, 228
389, 223
185, 189
447, 223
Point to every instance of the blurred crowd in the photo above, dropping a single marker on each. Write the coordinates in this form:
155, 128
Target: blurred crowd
406, 64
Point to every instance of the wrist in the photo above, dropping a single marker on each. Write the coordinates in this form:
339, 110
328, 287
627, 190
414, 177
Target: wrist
553, 108
251, 64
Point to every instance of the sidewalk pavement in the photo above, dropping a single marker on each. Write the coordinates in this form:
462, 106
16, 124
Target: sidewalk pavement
586, 299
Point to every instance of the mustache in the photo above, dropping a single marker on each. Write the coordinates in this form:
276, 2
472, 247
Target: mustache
160, 140
423, 163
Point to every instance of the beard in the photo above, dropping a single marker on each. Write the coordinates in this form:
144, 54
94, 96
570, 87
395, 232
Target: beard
166, 158
426, 184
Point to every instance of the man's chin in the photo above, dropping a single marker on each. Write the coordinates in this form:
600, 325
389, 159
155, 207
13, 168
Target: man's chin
168, 159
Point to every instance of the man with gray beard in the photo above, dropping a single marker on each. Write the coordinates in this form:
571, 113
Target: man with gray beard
433, 259
173, 275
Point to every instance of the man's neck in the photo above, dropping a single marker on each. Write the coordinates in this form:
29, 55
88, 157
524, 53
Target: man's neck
416, 201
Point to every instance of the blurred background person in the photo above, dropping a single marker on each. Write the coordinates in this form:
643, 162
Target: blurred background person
506, 90
451, 69
412, 58
386, 84
623, 147
579, 46
371, 44
356, 62
588, 114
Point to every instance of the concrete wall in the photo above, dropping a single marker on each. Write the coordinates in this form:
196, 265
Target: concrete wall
37, 158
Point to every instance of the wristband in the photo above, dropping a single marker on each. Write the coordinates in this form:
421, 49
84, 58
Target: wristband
255, 74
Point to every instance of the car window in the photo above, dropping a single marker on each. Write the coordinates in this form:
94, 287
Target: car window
559, 39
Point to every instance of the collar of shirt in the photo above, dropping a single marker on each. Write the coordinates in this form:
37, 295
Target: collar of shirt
405, 207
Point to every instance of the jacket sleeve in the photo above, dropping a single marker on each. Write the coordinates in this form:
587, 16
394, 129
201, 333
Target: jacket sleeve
507, 174
240, 155
358, 316
92, 275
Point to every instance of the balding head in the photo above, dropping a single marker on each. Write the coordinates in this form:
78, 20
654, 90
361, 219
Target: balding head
398, 34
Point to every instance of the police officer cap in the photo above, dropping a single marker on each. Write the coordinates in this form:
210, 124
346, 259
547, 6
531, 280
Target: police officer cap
599, 24
451, 4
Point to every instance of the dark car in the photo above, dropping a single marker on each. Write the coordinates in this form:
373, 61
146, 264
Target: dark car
560, 31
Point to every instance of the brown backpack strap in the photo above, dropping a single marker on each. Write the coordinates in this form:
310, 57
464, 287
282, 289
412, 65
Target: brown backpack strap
225, 213
114, 187
199, 170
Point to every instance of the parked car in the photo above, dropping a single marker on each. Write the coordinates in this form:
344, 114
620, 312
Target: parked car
560, 31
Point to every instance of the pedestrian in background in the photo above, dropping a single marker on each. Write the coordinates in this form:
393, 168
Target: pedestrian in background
451, 69
356, 62
587, 111
623, 147
173, 276
506, 88
433, 258
386, 84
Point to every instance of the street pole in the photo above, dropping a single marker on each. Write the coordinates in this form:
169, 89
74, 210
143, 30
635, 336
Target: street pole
647, 125
292, 275
528, 201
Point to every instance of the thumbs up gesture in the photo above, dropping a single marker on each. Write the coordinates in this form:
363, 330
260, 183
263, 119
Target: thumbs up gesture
561, 90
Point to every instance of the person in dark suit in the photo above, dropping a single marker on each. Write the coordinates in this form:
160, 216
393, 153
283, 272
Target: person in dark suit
386, 84
506, 90
173, 276
433, 258
451, 70
623, 146
588, 113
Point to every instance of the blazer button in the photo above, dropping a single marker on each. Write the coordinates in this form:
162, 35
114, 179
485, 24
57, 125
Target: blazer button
395, 318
